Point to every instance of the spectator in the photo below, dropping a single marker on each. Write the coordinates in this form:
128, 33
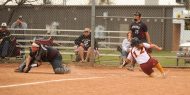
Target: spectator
20, 24
126, 47
4, 40
83, 43
3, 30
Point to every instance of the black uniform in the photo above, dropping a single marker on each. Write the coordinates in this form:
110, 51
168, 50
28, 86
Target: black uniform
86, 40
48, 54
138, 30
5, 43
4, 33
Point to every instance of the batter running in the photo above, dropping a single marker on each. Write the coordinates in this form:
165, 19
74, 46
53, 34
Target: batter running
140, 55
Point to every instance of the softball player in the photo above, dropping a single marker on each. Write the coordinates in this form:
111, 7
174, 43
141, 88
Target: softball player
40, 54
140, 55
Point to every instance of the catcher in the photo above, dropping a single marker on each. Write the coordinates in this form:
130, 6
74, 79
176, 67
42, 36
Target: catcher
140, 55
40, 53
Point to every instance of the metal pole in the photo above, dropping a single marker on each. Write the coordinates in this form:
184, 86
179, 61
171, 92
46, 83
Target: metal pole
92, 59
163, 30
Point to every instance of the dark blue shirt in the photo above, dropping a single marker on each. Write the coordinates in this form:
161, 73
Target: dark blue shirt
138, 30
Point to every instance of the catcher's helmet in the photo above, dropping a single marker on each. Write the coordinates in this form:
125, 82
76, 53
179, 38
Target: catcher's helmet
135, 41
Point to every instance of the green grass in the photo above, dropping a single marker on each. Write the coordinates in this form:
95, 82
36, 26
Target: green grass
163, 53
165, 61
115, 60
168, 61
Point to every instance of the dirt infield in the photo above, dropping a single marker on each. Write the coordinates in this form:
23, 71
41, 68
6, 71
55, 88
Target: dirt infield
91, 81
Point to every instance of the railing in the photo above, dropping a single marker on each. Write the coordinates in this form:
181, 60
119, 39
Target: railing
66, 40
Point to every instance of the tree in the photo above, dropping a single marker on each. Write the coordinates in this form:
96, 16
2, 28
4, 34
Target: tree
19, 3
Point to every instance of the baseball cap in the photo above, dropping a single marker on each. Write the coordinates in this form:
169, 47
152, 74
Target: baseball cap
137, 14
4, 24
86, 29
20, 17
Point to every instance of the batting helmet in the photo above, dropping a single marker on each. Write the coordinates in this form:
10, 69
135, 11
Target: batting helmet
135, 41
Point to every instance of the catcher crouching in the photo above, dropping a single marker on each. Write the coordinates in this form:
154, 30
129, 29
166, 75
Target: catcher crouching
39, 54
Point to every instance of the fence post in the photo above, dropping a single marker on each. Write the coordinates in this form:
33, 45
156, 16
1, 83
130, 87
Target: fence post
92, 59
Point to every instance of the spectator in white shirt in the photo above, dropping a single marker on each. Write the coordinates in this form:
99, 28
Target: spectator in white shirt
126, 47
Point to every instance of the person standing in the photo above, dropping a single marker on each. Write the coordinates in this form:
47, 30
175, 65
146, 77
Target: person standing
20, 24
139, 29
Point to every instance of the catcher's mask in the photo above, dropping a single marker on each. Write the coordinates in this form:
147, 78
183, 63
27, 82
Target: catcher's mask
135, 41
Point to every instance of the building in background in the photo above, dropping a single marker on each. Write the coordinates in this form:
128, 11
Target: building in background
99, 2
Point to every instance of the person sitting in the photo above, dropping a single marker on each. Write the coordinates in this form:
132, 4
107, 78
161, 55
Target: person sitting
83, 43
8, 43
39, 54
3, 30
4, 40
126, 47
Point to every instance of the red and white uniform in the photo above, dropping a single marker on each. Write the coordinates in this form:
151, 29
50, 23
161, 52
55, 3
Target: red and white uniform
140, 55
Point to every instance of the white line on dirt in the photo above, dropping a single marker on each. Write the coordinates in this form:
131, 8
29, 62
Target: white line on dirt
50, 81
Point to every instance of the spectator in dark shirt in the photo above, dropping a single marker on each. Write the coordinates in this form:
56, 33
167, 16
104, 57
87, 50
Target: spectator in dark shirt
4, 41
3, 31
83, 43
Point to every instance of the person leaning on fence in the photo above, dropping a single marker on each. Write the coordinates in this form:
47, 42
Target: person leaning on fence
20, 24
4, 44
140, 55
40, 53
83, 43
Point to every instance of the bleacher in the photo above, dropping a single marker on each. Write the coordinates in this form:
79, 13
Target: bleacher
65, 39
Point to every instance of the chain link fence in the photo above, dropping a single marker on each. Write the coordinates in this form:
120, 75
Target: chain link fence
66, 22
78, 17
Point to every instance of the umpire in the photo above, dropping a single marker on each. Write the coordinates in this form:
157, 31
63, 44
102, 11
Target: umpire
139, 29
38, 54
